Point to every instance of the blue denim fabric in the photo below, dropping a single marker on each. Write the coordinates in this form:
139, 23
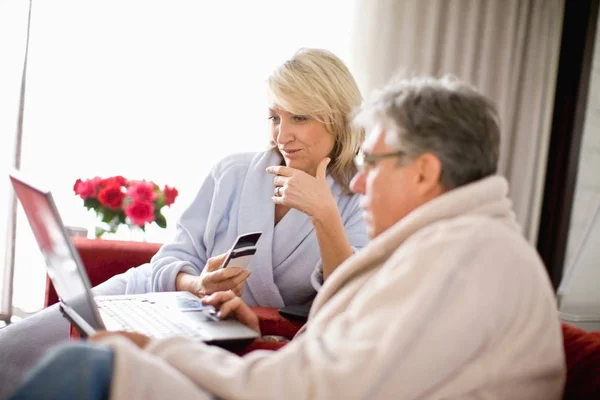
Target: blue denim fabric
72, 371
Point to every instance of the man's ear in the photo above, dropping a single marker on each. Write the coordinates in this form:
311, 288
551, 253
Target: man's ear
429, 168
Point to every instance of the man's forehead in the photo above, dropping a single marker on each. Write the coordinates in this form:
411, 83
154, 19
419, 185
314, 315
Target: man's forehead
374, 135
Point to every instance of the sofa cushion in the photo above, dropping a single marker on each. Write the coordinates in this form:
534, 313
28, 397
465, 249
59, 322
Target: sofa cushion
582, 350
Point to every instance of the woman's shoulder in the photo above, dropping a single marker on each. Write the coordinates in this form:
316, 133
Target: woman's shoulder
237, 162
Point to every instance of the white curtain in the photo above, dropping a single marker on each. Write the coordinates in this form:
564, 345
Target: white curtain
156, 90
507, 48
13, 33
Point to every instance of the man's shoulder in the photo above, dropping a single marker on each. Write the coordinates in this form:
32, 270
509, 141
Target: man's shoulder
472, 229
475, 239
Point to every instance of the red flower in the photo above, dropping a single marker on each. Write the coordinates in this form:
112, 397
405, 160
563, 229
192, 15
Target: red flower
111, 197
113, 181
140, 212
119, 201
141, 191
86, 188
170, 195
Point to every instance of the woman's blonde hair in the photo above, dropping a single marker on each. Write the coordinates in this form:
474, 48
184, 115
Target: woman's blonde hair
316, 83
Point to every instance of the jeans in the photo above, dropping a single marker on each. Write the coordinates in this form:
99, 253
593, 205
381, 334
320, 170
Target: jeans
71, 371
23, 344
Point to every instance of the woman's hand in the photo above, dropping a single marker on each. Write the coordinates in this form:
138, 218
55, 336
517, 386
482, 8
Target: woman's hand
138, 339
311, 195
230, 305
214, 279
299, 190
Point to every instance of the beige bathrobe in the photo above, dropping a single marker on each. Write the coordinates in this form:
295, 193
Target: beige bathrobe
451, 302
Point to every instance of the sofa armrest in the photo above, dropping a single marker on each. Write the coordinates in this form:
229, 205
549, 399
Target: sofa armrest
582, 352
103, 259
272, 323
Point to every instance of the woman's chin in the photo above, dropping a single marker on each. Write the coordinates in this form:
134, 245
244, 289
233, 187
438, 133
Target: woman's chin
295, 163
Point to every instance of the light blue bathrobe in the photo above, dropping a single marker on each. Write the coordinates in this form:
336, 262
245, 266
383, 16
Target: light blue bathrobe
235, 199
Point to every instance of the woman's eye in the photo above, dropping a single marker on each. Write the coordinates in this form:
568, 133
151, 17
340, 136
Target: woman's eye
300, 118
273, 118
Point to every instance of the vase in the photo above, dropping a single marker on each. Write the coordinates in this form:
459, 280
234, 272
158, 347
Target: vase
125, 232
136, 234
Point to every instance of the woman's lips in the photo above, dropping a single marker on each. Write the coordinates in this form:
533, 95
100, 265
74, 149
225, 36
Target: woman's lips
290, 153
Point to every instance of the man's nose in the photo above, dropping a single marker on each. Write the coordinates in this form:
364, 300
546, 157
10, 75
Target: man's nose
357, 184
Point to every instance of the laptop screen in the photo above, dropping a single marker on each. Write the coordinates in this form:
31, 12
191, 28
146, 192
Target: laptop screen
62, 262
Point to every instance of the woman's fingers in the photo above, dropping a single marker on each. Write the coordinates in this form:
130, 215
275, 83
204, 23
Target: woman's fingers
230, 305
218, 298
214, 263
239, 289
239, 310
281, 170
217, 281
232, 282
280, 180
224, 274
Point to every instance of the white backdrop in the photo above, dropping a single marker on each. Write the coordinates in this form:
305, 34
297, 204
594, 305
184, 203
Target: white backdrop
155, 90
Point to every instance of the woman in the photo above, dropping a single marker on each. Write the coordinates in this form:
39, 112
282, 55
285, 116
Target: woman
315, 221
296, 193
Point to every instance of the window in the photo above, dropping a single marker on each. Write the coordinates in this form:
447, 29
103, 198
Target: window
152, 90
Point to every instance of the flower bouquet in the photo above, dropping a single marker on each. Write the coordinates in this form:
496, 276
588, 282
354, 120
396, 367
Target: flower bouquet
118, 201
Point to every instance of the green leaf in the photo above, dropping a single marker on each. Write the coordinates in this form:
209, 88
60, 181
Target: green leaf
160, 200
160, 220
91, 203
107, 216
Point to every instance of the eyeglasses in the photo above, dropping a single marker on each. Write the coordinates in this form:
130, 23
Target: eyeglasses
367, 161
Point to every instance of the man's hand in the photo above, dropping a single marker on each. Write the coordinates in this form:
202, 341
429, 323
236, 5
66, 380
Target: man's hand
138, 339
229, 304
214, 279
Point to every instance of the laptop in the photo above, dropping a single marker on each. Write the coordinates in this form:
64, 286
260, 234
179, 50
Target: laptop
158, 315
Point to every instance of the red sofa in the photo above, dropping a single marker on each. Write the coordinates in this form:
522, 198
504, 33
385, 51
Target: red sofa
105, 258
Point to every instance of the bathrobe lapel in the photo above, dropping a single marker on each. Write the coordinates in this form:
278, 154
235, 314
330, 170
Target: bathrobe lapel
257, 213
277, 243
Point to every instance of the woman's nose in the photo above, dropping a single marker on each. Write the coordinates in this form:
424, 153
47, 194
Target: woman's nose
285, 134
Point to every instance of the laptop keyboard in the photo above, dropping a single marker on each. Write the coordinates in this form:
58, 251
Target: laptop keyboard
147, 318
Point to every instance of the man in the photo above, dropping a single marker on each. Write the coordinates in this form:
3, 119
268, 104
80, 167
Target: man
447, 301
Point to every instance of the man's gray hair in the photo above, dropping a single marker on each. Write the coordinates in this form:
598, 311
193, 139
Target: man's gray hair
442, 116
